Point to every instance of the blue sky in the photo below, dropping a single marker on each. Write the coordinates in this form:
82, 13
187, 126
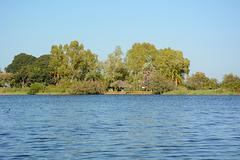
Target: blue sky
206, 31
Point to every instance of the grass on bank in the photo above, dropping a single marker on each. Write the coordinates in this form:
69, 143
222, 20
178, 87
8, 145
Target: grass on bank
184, 91
200, 92
13, 91
57, 90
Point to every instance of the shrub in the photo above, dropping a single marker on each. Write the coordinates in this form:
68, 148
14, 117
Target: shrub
160, 84
230, 78
233, 86
231, 82
199, 81
63, 85
34, 88
87, 87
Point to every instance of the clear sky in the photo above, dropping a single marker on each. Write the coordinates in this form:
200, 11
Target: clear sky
206, 31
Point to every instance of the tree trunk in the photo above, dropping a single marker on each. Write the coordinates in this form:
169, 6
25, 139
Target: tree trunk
22, 84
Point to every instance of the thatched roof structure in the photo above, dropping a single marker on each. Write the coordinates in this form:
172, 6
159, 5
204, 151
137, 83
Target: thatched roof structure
121, 84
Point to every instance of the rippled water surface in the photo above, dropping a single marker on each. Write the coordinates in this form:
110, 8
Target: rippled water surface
120, 127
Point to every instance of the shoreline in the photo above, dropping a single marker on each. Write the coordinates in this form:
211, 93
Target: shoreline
186, 94
24, 91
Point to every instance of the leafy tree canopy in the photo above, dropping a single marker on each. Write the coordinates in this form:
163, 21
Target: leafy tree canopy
72, 61
138, 55
114, 68
228, 78
172, 60
19, 61
200, 81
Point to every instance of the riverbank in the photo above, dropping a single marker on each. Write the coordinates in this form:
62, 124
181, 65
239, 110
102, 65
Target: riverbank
23, 91
200, 92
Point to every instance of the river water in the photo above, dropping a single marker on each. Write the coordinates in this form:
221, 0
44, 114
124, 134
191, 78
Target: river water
119, 127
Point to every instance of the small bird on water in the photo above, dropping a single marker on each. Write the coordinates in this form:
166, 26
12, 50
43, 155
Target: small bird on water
9, 110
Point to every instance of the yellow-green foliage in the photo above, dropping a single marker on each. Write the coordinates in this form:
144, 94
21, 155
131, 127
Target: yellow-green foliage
35, 88
13, 91
199, 81
231, 82
87, 87
200, 92
160, 84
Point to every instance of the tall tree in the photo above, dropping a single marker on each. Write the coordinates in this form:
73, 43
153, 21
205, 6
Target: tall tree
172, 60
138, 55
73, 55
41, 70
23, 77
72, 61
89, 64
114, 68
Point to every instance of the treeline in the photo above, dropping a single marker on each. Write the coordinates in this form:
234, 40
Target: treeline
72, 69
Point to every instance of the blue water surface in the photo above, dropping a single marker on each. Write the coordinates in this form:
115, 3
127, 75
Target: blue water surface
119, 127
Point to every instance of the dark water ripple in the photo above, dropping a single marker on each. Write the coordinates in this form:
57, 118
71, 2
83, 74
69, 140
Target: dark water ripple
120, 127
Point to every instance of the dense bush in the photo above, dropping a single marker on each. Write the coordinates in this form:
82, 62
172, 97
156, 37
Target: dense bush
160, 84
233, 86
199, 81
231, 82
87, 87
63, 85
35, 87
229, 78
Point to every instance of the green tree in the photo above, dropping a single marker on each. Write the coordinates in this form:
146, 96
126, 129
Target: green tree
23, 77
136, 57
148, 67
159, 83
57, 64
114, 68
172, 61
73, 55
231, 82
5, 79
213, 83
229, 78
94, 76
199, 81
41, 70
72, 61
19, 61
89, 63
120, 73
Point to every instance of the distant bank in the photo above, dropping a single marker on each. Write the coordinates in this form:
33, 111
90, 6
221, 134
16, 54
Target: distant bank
24, 91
